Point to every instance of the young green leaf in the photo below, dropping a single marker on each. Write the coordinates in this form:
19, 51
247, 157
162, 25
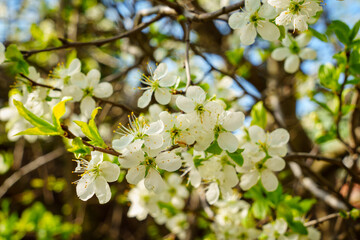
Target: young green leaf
59, 111
79, 148
258, 115
214, 148
237, 156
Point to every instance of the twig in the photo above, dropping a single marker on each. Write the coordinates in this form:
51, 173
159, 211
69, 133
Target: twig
187, 65
33, 83
16, 176
95, 42
323, 219
70, 135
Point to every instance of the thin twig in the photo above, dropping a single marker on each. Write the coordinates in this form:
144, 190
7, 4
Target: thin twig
323, 219
187, 65
16, 176
95, 42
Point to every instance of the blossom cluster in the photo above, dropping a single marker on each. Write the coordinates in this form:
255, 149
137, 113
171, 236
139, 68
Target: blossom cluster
266, 17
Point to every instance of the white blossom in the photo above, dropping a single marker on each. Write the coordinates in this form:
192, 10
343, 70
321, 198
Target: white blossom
293, 51
95, 176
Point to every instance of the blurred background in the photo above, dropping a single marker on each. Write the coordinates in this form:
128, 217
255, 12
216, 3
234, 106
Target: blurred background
39, 201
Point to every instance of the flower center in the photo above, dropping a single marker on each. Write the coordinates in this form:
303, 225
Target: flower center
295, 7
88, 91
294, 48
199, 108
254, 18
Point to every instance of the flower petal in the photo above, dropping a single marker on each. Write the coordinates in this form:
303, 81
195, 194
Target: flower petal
162, 96
227, 141
102, 190
248, 180
257, 134
73, 91
79, 79
196, 94
119, 144
160, 71
85, 188
168, 81
303, 39
279, 137
145, 99
292, 63
237, 20
103, 90
269, 180
279, 54
307, 53
248, 34
153, 141
212, 193
154, 181
268, 31
135, 174
110, 171
74, 67
131, 158
233, 120
87, 105
168, 161
275, 163
185, 104
252, 5
93, 77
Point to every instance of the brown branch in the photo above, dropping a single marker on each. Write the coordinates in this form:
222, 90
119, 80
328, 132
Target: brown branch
16, 176
95, 42
68, 134
187, 50
323, 219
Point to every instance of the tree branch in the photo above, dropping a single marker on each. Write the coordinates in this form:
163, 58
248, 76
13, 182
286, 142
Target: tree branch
187, 65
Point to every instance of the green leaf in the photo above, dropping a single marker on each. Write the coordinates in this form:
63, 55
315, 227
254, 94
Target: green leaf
14, 55
32, 118
341, 31
298, 227
354, 31
260, 208
323, 105
329, 76
235, 56
307, 204
59, 111
318, 35
354, 81
90, 130
214, 148
237, 156
38, 131
78, 147
355, 213
258, 115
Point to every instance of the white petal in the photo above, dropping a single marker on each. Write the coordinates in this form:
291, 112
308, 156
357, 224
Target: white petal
268, 31
85, 188
155, 128
212, 194
168, 161
73, 91
154, 181
195, 178
231, 179
167, 119
248, 34
74, 67
103, 90
79, 79
162, 96
269, 180
153, 141
145, 99
119, 144
292, 63
160, 71
227, 141
87, 105
168, 81
96, 157
233, 120
300, 22
257, 134
102, 190
267, 11
2, 53
185, 104
196, 94
280, 225
279, 54
275, 164
279, 3
303, 39
248, 180
237, 20
252, 5
136, 174
131, 158
93, 77
279, 137
277, 151
110, 171
307, 53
